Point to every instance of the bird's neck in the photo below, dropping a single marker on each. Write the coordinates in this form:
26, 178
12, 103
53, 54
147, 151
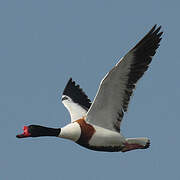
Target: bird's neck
46, 131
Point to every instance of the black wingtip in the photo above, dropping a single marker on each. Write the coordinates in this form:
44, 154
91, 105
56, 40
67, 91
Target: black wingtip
152, 29
155, 29
74, 91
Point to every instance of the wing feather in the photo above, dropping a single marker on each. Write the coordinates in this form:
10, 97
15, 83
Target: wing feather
115, 90
75, 100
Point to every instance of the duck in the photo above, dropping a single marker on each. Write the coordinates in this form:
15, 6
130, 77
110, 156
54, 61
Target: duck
96, 125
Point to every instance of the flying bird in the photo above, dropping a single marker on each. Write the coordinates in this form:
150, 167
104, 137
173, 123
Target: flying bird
96, 125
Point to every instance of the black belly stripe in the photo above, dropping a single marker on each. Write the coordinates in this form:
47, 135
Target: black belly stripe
104, 148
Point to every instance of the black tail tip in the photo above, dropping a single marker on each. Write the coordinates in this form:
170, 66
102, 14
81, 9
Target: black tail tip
147, 145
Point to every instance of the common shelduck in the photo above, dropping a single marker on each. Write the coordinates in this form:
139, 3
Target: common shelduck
96, 125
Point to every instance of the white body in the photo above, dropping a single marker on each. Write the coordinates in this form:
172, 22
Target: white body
101, 137
105, 137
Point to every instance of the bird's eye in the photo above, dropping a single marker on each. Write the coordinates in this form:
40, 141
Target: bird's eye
64, 98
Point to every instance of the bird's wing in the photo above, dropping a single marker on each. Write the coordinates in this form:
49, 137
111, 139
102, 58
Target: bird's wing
116, 88
75, 100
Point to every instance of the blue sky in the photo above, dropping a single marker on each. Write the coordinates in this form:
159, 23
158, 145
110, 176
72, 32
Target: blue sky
43, 43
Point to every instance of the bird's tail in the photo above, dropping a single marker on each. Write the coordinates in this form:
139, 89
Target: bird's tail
136, 143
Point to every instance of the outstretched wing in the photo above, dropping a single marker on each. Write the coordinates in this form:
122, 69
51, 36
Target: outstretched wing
75, 100
116, 88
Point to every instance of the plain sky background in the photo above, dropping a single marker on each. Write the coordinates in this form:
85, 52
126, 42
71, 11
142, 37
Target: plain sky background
43, 43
